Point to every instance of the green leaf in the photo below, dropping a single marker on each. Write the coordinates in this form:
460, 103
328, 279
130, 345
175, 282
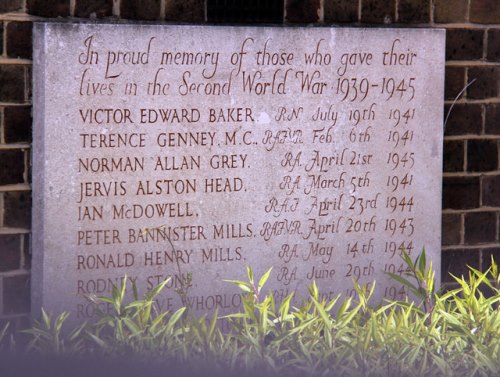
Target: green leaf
264, 278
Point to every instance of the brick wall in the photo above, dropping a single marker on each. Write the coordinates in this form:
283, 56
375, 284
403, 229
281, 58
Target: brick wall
471, 184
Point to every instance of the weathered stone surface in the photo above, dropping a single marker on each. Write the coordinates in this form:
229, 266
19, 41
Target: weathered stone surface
167, 150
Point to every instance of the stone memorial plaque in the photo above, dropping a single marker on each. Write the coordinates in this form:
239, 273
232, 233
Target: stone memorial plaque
192, 152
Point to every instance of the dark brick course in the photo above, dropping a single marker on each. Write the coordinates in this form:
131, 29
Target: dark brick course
17, 124
99, 8
480, 227
493, 54
453, 156
492, 119
484, 11
464, 44
341, 11
414, 11
486, 85
302, 11
16, 294
12, 83
377, 11
491, 190
11, 167
456, 262
482, 155
451, 227
185, 10
454, 81
10, 254
48, 8
17, 209
460, 192
450, 11
464, 119
143, 10
10, 5
19, 38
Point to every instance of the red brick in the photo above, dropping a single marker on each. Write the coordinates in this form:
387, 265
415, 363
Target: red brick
1, 38
140, 10
302, 11
12, 83
48, 8
185, 10
19, 39
244, 11
482, 155
377, 11
480, 227
17, 124
485, 11
450, 11
10, 252
16, 294
456, 261
464, 119
486, 256
491, 190
451, 228
492, 119
10, 5
493, 54
454, 82
453, 156
17, 209
460, 192
341, 11
27, 252
413, 11
464, 44
486, 85
11, 167
99, 8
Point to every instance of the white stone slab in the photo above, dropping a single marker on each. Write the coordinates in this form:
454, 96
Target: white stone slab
315, 151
